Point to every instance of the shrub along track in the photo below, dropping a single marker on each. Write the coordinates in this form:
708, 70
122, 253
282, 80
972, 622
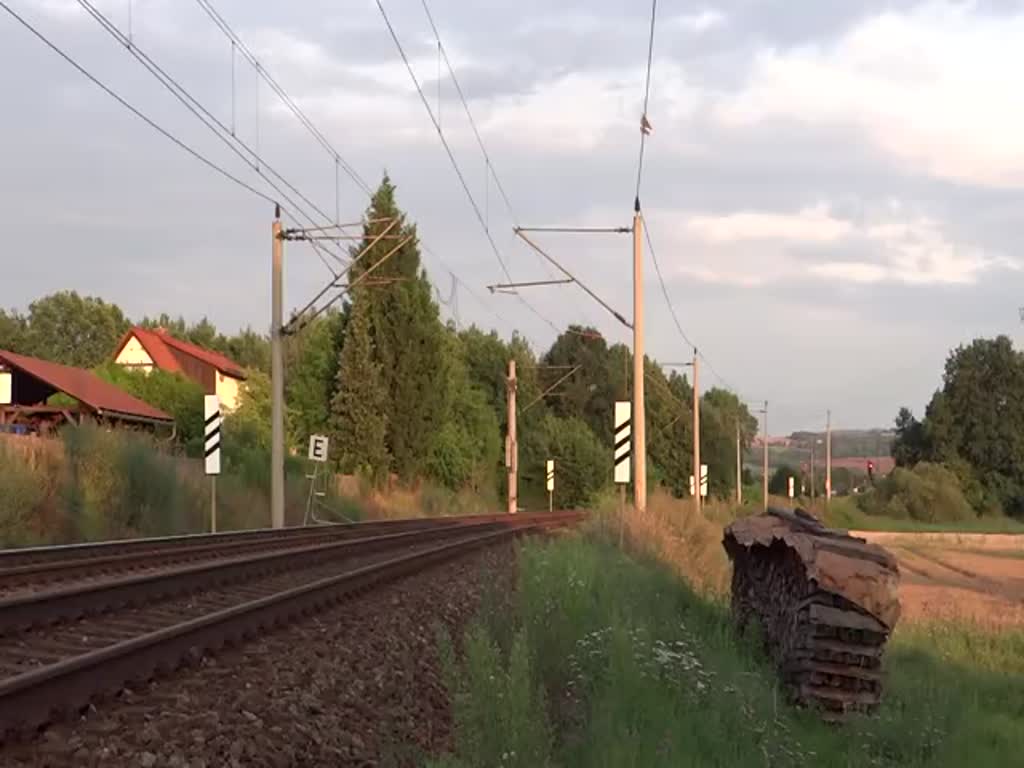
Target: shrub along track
49, 665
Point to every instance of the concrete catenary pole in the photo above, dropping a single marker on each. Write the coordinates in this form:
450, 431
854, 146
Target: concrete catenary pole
764, 477
739, 466
511, 444
696, 434
828, 458
639, 431
277, 377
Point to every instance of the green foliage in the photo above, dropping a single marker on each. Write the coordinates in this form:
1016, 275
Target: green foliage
583, 465
359, 420
640, 671
721, 412
778, 483
12, 331
406, 337
311, 365
467, 448
23, 496
498, 709
172, 393
117, 485
975, 425
67, 328
928, 493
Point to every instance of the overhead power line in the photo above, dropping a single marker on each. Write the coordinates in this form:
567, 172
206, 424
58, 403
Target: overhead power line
135, 111
491, 171
283, 95
228, 137
455, 165
645, 126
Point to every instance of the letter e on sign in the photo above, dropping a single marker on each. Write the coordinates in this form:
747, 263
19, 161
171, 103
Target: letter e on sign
318, 447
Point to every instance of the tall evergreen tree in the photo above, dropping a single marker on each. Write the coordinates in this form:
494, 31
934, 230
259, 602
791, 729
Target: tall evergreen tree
407, 336
358, 419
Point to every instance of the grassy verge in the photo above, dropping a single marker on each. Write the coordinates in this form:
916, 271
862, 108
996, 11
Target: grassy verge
610, 659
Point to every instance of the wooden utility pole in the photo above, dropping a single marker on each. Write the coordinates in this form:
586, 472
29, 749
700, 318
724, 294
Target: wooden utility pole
739, 466
828, 459
639, 432
511, 444
764, 478
277, 376
696, 436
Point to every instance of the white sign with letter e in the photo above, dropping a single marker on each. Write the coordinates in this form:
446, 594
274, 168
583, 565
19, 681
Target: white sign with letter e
318, 447
211, 433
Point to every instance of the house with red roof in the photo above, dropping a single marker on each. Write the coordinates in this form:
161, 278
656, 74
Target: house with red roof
145, 349
27, 384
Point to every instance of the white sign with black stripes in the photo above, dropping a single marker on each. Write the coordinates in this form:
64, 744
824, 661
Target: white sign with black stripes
623, 440
212, 434
550, 484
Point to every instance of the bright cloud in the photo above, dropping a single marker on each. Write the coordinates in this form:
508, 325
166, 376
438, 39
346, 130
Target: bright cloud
934, 87
814, 224
894, 244
701, 21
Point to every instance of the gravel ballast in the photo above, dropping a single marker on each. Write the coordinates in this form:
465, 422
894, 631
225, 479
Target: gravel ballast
358, 685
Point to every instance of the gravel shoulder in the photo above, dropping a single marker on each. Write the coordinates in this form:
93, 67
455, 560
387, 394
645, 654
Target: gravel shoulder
359, 685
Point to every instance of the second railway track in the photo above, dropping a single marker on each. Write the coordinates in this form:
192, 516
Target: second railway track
33, 568
52, 661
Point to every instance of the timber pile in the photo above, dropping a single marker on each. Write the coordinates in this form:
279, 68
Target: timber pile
825, 603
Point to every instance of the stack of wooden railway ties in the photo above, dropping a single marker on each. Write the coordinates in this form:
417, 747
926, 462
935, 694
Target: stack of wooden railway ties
826, 603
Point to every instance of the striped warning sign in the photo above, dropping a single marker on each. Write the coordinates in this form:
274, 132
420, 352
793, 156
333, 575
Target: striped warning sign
212, 434
623, 440
550, 485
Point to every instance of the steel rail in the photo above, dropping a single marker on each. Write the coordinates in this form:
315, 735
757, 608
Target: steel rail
33, 698
28, 555
31, 609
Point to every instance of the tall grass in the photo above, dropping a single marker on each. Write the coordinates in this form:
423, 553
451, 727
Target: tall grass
97, 484
638, 669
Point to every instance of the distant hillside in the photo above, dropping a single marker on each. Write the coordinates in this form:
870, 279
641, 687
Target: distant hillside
848, 443
851, 448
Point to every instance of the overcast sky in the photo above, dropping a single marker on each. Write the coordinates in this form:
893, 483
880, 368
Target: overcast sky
832, 187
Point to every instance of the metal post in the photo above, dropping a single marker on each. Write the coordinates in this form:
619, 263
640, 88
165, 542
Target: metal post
639, 432
828, 459
511, 445
213, 503
764, 479
622, 513
696, 436
812, 474
739, 466
277, 377
551, 501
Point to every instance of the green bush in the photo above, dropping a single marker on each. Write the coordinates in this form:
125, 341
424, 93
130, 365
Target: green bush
22, 496
499, 710
928, 493
118, 484
173, 394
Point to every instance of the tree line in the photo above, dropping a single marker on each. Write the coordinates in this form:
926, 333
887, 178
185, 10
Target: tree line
401, 393
973, 427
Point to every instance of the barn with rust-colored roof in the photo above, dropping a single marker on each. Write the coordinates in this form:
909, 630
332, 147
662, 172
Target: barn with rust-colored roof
28, 383
145, 349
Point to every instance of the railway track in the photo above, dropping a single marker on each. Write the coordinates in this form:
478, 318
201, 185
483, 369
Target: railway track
61, 648
31, 568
